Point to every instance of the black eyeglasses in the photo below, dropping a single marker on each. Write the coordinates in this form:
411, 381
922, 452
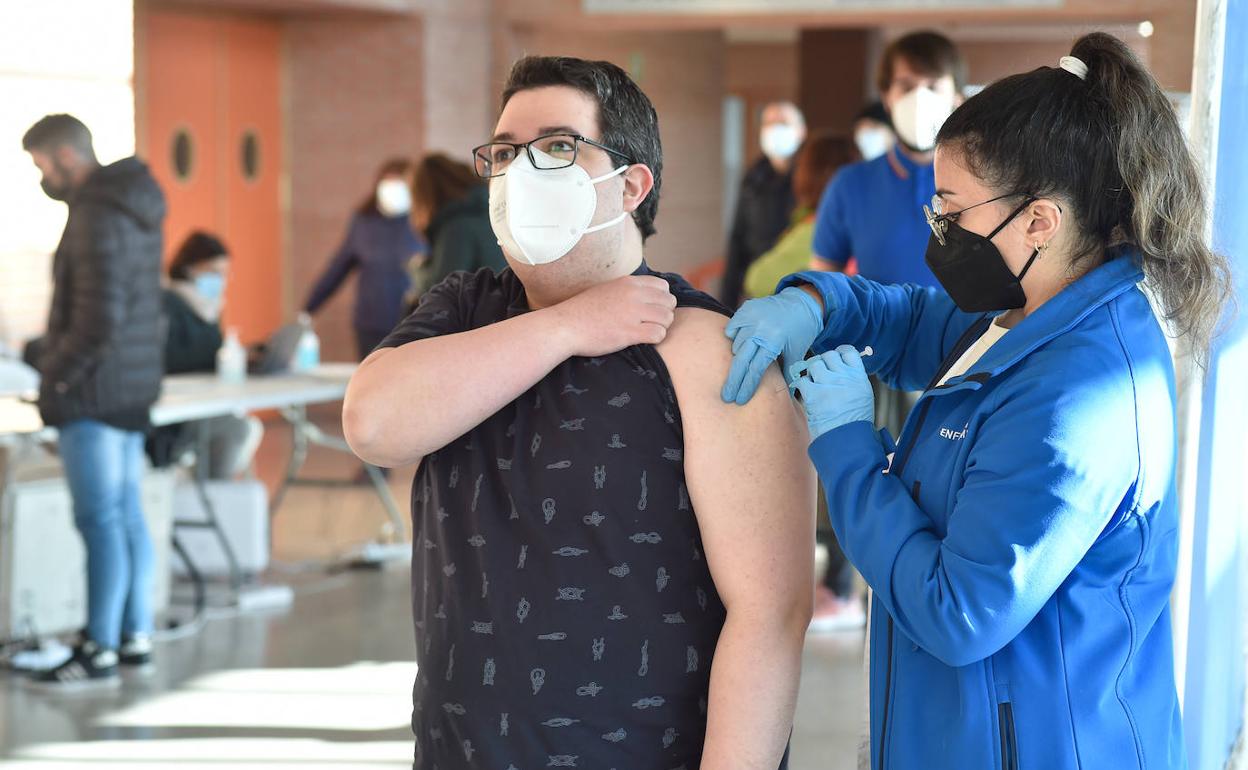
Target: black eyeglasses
556, 151
939, 221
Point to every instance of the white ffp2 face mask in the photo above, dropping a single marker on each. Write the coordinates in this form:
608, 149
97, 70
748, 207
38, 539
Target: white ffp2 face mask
394, 199
539, 215
918, 116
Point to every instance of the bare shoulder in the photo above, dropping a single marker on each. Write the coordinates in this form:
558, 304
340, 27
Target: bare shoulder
750, 482
699, 334
698, 355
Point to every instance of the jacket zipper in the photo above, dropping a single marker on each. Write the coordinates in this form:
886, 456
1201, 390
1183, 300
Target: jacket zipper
1009, 745
888, 686
888, 668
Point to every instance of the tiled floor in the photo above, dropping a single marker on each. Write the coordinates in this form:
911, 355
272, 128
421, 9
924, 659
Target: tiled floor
327, 682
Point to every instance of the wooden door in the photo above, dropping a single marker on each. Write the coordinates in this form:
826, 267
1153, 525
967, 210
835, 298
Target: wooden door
213, 122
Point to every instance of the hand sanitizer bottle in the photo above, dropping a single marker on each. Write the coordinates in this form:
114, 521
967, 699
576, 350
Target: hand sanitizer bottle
232, 359
308, 354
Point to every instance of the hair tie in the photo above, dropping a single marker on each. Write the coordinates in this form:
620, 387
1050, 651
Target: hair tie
1074, 66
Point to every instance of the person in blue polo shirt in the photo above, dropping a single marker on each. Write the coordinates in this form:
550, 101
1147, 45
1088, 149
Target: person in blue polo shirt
872, 211
1022, 540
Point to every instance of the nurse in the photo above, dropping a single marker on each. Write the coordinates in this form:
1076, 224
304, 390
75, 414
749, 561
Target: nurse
1021, 538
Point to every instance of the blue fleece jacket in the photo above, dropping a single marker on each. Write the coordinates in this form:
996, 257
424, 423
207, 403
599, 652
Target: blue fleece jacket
1022, 546
380, 248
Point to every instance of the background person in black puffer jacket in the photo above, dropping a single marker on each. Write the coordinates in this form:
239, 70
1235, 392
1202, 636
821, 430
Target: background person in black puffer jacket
101, 366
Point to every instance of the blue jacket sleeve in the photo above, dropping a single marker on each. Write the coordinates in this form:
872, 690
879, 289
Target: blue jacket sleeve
1037, 492
340, 266
910, 328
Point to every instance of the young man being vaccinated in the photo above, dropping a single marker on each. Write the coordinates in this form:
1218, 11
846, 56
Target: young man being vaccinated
611, 567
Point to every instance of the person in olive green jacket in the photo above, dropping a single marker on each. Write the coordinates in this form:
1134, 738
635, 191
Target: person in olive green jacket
451, 205
817, 160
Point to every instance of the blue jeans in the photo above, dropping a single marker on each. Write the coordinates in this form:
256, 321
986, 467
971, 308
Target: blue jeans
104, 467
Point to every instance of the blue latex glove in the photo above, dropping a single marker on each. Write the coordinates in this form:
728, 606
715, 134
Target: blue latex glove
834, 389
764, 329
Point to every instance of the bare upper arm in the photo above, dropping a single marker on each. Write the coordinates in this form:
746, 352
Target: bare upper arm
750, 481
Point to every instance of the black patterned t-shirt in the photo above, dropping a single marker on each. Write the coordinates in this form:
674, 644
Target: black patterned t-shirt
565, 613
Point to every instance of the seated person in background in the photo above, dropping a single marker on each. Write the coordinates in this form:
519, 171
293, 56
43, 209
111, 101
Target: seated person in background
816, 162
612, 567
451, 206
193, 301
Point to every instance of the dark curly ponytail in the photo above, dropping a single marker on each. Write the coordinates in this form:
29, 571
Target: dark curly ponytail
1111, 145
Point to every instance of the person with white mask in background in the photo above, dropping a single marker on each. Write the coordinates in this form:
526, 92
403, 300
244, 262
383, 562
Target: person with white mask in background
765, 203
380, 243
612, 567
873, 131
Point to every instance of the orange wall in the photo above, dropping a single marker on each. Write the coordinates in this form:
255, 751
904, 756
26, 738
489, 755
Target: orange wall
218, 77
181, 61
252, 205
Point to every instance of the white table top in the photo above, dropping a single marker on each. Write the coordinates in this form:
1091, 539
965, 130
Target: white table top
199, 396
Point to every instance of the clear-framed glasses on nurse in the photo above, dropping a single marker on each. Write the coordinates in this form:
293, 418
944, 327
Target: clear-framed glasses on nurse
557, 151
938, 219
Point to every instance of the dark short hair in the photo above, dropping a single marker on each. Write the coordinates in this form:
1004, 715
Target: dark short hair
53, 132
198, 247
874, 111
928, 53
1109, 144
626, 117
439, 180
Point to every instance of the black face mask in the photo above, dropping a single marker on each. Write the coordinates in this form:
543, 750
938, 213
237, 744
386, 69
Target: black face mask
57, 192
972, 270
